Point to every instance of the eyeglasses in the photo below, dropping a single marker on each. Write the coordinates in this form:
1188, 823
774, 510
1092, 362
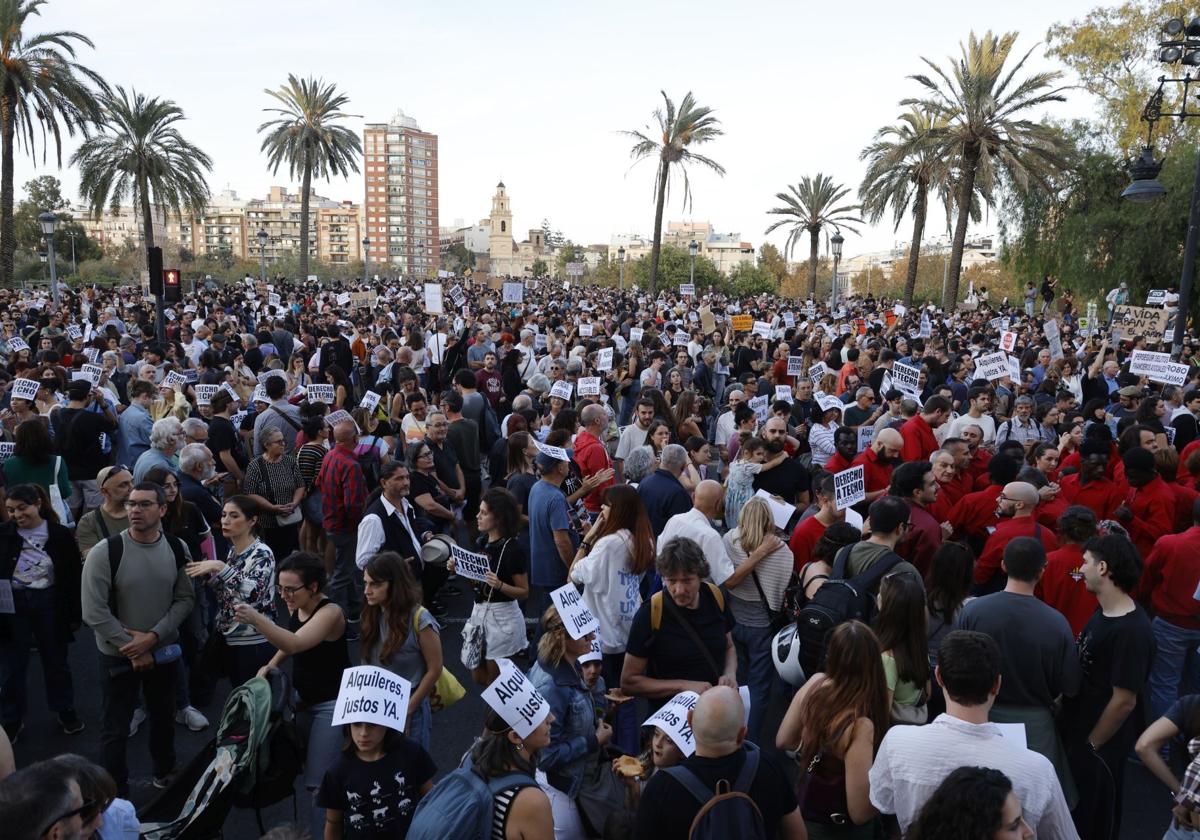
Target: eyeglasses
142, 505
287, 591
86, 806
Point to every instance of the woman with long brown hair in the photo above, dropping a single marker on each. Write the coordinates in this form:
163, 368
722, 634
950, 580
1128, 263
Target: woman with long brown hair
900, 626
835, 724
402, 636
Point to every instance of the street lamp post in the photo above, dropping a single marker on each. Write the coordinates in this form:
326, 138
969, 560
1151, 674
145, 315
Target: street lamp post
263, 236
49, 222
836, 243
693, 249
1181, 45
74, 267
621, 265
366, 243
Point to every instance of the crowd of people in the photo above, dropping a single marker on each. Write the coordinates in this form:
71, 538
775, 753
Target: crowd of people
875, 571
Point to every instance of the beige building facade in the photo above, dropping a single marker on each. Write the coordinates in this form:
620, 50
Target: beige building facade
506, 256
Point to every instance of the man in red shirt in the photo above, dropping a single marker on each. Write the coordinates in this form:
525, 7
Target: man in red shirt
1149, 509
977, 466
591, 456
919, 442
845, 444
946, 476
878, 460
809, 532
1061, 585
914, 483
1170, 581
975, 512
1090, 487
1015, 507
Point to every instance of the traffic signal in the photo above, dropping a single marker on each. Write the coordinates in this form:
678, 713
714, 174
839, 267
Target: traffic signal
154, 268
172, 291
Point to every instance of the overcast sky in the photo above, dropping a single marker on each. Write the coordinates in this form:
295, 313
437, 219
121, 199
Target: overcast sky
536, 93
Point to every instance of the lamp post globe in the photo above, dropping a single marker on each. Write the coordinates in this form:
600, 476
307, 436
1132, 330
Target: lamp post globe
263, 236
693, 249
366, 245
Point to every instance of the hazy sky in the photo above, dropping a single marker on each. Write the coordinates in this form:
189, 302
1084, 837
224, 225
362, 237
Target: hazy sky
536, 93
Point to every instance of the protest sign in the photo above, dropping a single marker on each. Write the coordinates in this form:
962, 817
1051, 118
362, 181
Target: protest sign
849, 487
516, 700
707, 322
672, 719
204, 394
795, 365
576, 617
321, 393
16, 344
680, 339
926, 327
585, 330
468, 564
1131, 321
343, 299
369, 401
905, 378
514, 293
991, 367
340, 416
372, 695
789, 320
1014, 369
458, 295
1008, 341
6, 450
273, 300
636, 333
589, 386
227, 388
687, 289
1157, 297
1054, 338
561, 389
762, 328
539, 341
783, 392
93, 373
1157, 366
25, 389
433, 299
816, 372
604, 358
742, 323
865, 435
555, 452
899, 310
761, 406
828, 403
781, 511
73, 332
172, 379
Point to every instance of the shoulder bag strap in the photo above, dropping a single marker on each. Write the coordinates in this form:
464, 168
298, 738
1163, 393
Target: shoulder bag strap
749, 768
841, 562
285, 416
692, 634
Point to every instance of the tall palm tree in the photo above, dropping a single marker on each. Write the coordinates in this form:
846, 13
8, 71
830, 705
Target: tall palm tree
902, 166
678, 130
43, 90
810, 207
307, 137
140, 155
984, 134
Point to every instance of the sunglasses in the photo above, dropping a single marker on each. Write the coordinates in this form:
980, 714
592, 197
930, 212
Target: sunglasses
88, 806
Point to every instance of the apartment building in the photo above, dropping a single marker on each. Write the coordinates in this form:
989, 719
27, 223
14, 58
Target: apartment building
400, 169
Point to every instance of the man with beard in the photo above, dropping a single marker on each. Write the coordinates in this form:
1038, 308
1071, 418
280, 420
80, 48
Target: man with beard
919, 440
845, 444
1015, 511
1090, 487
878, 460
788, 480
914, 483
979, 400
976, 469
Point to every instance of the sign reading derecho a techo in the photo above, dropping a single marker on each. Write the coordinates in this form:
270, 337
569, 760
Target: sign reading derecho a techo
372, 695
849, 487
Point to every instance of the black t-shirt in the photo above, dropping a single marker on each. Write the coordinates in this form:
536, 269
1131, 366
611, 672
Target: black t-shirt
667, 809
420, 484
670, 652
742, 357
787, 480
77, 434
445, 459
520, 485
1113, 653
514, 563
222, 437
1185, 714
377, 798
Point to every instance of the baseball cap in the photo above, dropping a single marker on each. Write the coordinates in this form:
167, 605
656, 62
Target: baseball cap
1130, 391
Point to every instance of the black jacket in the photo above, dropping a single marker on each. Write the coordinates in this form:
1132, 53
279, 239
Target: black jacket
68, 566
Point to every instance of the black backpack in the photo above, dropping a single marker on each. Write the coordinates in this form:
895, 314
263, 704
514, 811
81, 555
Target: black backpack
839, 600
116, 548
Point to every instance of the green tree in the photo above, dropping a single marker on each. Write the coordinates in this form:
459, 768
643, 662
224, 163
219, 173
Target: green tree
810, 207
41, 194
458, 258
747, 280
568, 252
44, 91
539, 268
772, 262
306, 136
139, 154
670, 141
982, 107
673, 269
903, 164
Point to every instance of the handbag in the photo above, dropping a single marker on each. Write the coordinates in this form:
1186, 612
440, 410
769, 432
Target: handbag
601, 795
776, 619
474, 636
447, 690
290, 518
823, 798
915, 715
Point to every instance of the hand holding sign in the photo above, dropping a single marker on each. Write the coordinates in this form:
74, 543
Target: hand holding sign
849, 487
470, 565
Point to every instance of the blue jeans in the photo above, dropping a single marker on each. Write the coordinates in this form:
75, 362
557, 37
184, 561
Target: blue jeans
420, 725
756, 670
1176, 665
35, 619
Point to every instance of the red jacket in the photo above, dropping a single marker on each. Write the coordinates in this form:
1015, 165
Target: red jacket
975, 512
876, 476
1185, 501
919, 442
1062, 587
988, 564
804, 539
1153, 509
837, 463
1182, 473
1047, 513
592, 457
1171, 576
977, 471
1101, 496
923, 539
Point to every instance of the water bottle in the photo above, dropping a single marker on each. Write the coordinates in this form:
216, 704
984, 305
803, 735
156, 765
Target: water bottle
163, 656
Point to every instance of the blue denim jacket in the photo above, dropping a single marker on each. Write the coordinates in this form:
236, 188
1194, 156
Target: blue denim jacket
573, 733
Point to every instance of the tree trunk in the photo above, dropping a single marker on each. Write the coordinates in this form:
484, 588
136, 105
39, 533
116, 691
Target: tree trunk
920, 207
656, 245
306, 185
966, 189
8, 230
143, 191
814, 252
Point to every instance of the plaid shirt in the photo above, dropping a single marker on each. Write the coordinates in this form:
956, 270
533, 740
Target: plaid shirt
343, 489
1189, 790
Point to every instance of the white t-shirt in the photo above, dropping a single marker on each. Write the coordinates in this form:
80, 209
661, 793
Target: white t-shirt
986, 422
611, 591
631, 439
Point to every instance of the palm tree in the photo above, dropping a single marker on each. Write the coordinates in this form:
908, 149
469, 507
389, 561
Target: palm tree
983, 134
811, 206
306, 136
678, 129
903, 164
43, 90
139, 155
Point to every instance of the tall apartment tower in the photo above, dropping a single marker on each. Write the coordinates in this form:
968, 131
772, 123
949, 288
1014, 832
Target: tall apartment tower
401, 206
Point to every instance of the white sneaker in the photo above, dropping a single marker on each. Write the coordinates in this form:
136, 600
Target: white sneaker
190, 717
139, 717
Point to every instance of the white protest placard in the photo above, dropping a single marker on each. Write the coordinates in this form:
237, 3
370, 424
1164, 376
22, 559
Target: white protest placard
761, 328
783, 392
680, 339
343, 298
227, 388
1158, 366
26, 389
92, 373
470, 565
789, 320
576, 617
849, 487
6, 450
321, 393
761, 405
91, 354
267, 374
905, 378
173, 378
340, 416
899, 310
204, 394
539, 341
585, 330
1157, 297
73, 332
561, 389
191, 376
604, 358
589, 386
433, 299
795, 365
1008, 341
237, 419
816, 372
781, 511
273, 300
17, 344
992, 366
926, 327
1054, 338
636, 333
458, 296
866, 434
516, 700
372, 695
687, 289
828, 403
672, 719
555, 452
369, 401
259, 395
514, 293
1014, 369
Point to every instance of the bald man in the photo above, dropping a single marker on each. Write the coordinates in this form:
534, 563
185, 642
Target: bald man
343, 488
708, 503
668, 805
1015, 509
878, 460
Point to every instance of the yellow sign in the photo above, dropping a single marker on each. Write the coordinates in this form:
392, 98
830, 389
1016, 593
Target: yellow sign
742, 323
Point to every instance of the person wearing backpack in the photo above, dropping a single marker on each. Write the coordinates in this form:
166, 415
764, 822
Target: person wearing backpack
728, 788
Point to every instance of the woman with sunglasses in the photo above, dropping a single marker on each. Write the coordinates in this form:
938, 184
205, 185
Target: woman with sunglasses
424, 491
